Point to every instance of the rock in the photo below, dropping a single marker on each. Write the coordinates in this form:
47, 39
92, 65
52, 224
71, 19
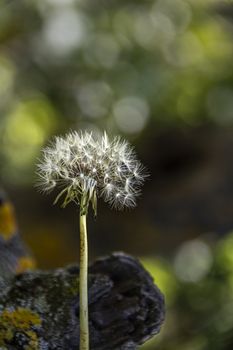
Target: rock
40, 310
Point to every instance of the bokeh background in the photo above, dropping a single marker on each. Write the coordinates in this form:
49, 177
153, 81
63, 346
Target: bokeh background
159, 73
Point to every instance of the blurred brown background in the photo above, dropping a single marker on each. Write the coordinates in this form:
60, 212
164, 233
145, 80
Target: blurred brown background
159, 73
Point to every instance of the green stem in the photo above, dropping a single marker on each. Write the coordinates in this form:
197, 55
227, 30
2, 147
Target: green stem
83, 284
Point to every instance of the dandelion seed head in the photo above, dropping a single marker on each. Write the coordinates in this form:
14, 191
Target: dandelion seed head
80, 163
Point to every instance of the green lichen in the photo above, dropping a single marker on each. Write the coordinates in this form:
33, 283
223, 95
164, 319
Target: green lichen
74, 287
21, 322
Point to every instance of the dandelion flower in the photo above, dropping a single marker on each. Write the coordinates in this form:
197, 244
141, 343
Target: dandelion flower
80, 164
83, 168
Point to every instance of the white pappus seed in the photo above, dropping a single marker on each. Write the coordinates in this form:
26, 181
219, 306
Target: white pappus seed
80, 162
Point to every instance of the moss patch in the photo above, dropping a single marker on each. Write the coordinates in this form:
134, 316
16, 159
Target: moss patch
18, 323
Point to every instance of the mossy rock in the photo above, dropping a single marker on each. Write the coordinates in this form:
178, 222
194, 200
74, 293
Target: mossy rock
40, 310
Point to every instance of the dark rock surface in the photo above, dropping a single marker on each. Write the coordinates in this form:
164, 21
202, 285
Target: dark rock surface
39, 310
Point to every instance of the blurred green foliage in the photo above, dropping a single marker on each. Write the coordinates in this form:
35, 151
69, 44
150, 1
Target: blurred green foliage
131, 67
198, 288
115, 65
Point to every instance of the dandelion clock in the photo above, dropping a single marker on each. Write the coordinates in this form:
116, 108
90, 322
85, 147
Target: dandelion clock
84, 168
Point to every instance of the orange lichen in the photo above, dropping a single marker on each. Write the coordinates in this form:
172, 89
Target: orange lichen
25, 263
8, 227
22, 321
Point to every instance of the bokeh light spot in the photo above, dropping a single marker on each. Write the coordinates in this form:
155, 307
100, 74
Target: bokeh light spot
131, 114
178, 11
26, 129
193, 261
94, 98
103, 50
64, 31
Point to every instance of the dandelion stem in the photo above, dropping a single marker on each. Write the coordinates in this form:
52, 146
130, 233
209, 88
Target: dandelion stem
83, 286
